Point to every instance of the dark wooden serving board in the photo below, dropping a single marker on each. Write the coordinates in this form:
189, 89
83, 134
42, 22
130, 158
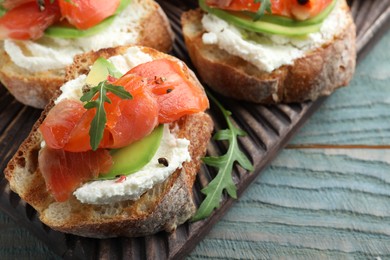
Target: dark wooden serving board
269, 129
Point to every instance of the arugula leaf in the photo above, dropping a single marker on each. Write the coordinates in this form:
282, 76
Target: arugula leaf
100, 119
264, 6
223, 180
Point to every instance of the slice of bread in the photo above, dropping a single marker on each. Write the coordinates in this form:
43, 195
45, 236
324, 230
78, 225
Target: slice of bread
36, 88
319, 72
163, 207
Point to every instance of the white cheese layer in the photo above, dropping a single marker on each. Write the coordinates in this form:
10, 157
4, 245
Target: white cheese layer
72, 89
268, 52
108, 191
56, 53
133, 57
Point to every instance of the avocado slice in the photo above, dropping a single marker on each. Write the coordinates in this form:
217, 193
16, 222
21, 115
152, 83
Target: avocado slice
100, 70
270, 24
133, 157
71, 32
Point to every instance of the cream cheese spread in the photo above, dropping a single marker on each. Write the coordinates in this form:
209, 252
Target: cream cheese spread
268, 52
56, 53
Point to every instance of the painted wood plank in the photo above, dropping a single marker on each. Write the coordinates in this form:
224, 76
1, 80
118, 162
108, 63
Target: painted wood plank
322, 204
18, 243
337, 207
359, 113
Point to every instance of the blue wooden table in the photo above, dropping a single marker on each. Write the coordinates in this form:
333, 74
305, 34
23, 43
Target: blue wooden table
326, 196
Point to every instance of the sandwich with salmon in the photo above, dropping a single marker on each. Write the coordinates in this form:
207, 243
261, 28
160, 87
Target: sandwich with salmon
117, 150
38, 39
268, 51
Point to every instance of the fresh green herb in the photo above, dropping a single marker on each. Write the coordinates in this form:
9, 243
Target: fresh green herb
99, 121
264, 6
223, 180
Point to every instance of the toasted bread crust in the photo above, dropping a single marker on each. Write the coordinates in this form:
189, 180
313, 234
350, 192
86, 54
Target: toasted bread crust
33, 89
318, 73
162, 208
36, 89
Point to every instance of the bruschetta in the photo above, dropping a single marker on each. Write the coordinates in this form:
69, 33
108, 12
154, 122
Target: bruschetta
272, 51
137, 178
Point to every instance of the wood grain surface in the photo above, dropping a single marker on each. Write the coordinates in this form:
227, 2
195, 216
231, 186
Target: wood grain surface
325, 197
359, 114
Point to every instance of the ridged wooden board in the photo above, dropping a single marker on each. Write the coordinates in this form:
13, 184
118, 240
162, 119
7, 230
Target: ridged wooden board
309, 204
327, 195
268, 127
357, 116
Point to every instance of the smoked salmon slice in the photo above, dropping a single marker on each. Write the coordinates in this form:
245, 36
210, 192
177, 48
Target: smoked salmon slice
65, 171
85, 14
60, 122
27, 21
9, 4
300, 10
176, 94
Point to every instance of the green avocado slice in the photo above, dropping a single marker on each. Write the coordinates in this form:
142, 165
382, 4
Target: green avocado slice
271, 24
71, 32
133, 157
100, 70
